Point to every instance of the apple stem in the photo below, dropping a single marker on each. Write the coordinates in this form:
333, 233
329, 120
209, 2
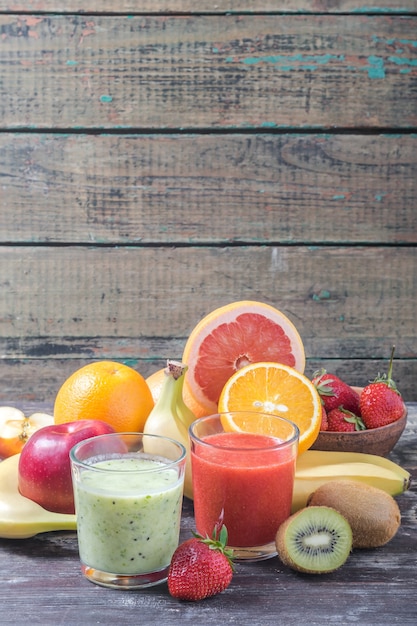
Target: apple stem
24, 435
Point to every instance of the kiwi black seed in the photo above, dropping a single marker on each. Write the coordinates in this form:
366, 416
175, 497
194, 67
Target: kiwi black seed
314, 540
373, 514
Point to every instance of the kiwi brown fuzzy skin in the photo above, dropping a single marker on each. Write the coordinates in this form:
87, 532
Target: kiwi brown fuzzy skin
300, 522
373, 514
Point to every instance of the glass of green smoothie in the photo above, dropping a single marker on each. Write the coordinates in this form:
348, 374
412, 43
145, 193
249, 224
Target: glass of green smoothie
128, 491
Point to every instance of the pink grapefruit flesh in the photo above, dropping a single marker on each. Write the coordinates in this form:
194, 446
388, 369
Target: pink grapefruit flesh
233, 336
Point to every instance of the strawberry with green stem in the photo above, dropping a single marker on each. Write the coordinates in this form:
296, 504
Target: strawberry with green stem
201, 567
340, 420
381, 403
335, 392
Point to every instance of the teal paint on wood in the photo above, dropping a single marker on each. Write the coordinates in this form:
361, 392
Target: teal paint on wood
290, 62
322, 295
376, 67
394, 41
403, 61
379, 10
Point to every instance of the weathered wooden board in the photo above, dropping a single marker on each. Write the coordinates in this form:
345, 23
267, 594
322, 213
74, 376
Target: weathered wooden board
39, 379
208, 188
208, 6
335, 296
140, 304
204, 72
160, 159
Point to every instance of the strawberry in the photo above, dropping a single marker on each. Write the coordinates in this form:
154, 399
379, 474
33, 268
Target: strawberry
324, 421
334, 392
200, 567
339, 420
381, 402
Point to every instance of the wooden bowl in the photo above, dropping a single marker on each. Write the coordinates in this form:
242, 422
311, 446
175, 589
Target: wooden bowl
378, 441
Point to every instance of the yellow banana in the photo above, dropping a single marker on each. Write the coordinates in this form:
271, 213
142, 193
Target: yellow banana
316, 467
312, 458
171, 417
20, 517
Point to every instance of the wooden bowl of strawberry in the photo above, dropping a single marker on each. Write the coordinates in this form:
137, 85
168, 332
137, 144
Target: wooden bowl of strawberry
367, 419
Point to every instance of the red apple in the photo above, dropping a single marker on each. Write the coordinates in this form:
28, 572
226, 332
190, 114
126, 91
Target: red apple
44, 470
16, 428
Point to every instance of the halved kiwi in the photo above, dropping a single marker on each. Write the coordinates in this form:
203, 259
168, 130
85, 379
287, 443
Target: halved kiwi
314, 540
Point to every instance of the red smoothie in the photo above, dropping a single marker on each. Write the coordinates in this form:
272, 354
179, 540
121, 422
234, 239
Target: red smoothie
244, 481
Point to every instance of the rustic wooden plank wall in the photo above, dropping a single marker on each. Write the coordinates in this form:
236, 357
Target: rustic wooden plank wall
163, 158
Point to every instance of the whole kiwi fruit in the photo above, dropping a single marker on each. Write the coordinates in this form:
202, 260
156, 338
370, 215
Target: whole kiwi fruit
373, 514
314, 540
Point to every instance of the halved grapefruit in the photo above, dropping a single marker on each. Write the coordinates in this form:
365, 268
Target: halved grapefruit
231, 337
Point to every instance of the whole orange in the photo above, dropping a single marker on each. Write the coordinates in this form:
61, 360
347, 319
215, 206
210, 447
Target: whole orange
107, 391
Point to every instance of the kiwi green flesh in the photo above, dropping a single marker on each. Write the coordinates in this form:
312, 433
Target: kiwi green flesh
316, 539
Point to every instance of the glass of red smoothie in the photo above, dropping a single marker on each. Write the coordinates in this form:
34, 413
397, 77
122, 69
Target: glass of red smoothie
243, 480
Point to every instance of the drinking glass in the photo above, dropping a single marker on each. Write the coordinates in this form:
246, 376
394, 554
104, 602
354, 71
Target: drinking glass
243, 480
128, 491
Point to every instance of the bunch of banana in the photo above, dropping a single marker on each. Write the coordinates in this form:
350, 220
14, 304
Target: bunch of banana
315, 467
171, 417
20, 517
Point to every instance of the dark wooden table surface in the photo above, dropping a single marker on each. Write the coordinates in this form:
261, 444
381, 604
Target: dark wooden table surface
41, 582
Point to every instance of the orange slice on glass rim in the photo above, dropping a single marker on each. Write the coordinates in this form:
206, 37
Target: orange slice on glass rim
232, 337
276, 389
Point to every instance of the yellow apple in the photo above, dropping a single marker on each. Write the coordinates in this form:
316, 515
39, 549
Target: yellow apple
16, 428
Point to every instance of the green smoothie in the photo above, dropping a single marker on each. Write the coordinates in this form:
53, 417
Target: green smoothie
128, 520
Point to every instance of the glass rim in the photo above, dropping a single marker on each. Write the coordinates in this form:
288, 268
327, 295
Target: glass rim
278, 443
171, 463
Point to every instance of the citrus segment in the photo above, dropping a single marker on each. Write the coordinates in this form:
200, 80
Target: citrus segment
231, 337
107, 391
277, 389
